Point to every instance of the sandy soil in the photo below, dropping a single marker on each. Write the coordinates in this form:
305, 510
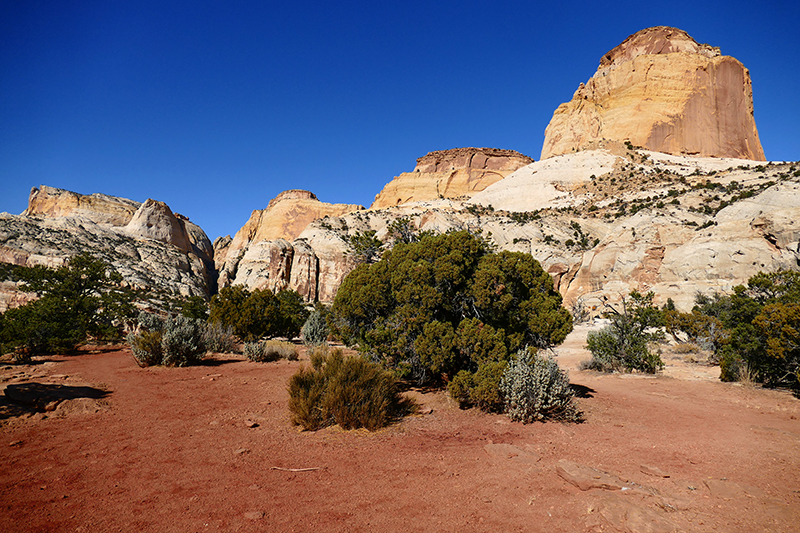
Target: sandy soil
210, 448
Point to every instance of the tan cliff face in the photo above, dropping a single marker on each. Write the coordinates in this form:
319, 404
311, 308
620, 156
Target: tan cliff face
663, 91
460, 172
99, 208
287, 215
261, 254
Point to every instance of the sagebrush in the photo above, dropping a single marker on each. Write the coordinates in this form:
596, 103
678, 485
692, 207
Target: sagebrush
315, 330
534, 389
219, 338
345, 390
171, 341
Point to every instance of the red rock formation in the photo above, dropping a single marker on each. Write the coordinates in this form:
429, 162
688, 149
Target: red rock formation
661, 90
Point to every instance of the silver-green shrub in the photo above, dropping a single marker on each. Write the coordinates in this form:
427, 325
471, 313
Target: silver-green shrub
182, 341
534, 388
150, 321
218, 338
168, 341
315, 331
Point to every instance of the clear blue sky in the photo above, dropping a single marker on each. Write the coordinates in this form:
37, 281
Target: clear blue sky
216, 107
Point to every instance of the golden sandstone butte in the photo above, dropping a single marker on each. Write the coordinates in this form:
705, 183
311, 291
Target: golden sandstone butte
663, 91
460, 172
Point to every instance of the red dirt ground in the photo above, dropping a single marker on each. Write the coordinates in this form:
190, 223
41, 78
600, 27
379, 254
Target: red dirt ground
171, 450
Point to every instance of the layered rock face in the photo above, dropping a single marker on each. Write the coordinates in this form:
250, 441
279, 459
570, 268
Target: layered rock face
663, 91
287, 215
605, 223
152, 248
460, 172
99, 208
261, 256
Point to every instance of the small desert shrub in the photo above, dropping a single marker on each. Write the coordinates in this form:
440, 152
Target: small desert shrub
481, 388
731, 365
612, 352
686, 347
172, 341
350, 391
182, 341
268, 351
146, 346
534, 388
580, 313
149, 321
623, 344
219, 338
315, 331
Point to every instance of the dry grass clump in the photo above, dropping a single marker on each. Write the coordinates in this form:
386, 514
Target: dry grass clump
268, 351
346, 390
686, 347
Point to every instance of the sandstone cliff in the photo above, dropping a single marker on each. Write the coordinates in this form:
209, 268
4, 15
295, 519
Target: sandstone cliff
152, 248
605, 222
261, 255
99, 208
287, 215
450, 174
663, 91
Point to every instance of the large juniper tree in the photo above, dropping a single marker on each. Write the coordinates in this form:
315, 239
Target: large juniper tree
446, 309
84, 297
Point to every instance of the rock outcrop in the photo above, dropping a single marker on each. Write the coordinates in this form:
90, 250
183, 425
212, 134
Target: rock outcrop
287, 215
152, 248
460, 172
602, 222
155, 220
261, 255
649, 221
99, 208
663, 91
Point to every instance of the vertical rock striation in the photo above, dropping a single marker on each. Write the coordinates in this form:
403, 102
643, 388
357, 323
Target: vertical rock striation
661, 90
261, 255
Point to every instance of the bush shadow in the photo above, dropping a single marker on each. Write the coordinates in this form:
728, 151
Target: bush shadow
21, 399
582, 391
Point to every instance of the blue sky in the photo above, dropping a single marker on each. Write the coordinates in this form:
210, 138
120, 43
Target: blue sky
216, 107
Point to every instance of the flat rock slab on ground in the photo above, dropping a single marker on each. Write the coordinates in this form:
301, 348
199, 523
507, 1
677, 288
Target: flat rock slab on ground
587, 478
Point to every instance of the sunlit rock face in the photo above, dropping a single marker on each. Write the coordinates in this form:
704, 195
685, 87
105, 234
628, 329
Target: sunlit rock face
265, 252
663, 91
460, 172
152, 248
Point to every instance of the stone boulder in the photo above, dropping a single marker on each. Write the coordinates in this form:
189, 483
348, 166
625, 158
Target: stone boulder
460, 172
663, 91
